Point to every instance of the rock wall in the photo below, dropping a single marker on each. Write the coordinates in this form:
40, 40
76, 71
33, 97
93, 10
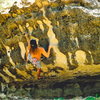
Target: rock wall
70, 28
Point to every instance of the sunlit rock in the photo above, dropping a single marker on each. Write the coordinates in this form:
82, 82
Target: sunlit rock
21, 28
23, 73
5, 69
80, 57
41, 25
22, 49
8, 50
5, 78
41, 3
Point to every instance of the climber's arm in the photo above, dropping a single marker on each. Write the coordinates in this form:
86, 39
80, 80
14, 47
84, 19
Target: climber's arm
46, 54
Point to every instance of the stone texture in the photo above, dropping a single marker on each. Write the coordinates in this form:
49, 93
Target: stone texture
74, 36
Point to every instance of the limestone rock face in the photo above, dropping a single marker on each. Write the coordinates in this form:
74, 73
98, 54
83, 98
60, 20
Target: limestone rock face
72, 29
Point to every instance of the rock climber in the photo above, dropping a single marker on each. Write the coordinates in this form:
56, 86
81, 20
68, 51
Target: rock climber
34, 53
